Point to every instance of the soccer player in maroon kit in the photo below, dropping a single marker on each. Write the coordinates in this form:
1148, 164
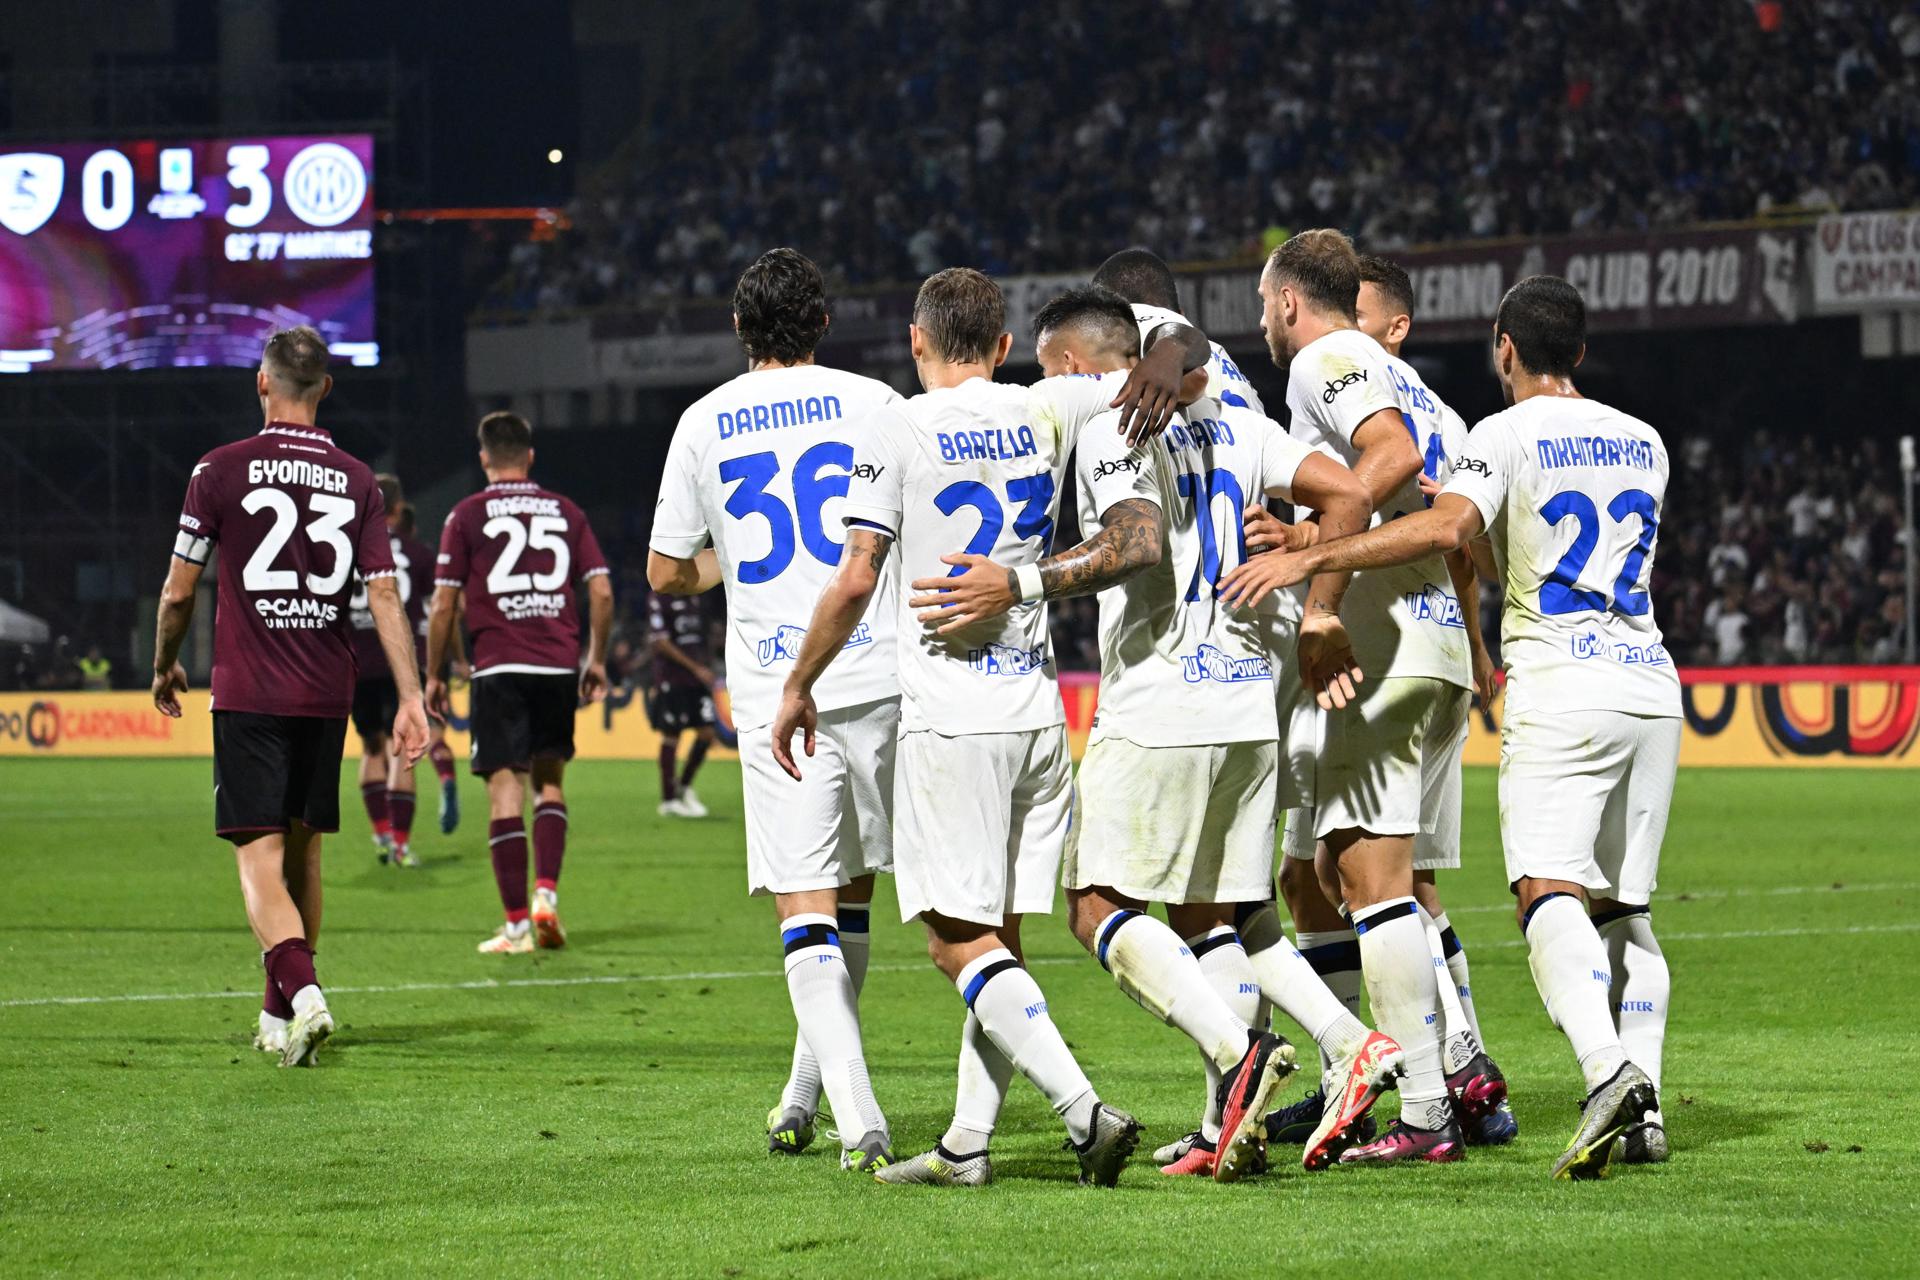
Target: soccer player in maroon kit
514, 551
679, 695
297, 517
438, 752
386, 782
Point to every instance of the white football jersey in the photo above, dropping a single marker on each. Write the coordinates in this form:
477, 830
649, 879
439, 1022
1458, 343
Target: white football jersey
1176, 667
975, 468
1571, 491
759, 467
1404, 621
1225, 382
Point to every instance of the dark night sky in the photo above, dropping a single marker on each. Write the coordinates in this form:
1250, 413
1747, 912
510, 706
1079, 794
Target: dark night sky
501, 78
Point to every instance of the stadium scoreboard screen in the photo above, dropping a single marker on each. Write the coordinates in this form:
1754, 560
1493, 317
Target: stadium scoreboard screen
164, 254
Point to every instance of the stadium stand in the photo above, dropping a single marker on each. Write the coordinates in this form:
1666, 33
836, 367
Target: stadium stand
1583, 117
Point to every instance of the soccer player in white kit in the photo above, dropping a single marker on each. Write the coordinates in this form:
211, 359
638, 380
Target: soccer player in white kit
1570, 492
750, 500
1175, 800
1357, 757
983, 789
1383, 311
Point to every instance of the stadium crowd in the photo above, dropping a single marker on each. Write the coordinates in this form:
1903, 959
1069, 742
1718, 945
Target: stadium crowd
1579, 117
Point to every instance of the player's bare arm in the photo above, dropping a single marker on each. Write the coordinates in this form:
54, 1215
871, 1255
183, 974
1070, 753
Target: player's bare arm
396, 641
842, 604
1452, 522
440, 633
593, 673
170, 631
674, 576
1129, 542
1154, 387
1466, 587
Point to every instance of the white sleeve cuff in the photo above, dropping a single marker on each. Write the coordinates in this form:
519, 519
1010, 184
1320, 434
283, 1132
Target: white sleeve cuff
679, 546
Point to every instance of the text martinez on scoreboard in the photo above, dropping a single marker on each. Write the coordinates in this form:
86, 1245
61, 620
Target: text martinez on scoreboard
174, 254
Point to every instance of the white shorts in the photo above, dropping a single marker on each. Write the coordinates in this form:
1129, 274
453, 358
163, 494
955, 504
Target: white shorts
1174, 824
836, 823
981, 821
1437, 847
1364, 766
1584, 797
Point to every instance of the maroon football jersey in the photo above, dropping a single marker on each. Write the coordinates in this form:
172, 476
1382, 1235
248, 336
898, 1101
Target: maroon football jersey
294, 517
682, 620
413, 566
517, 550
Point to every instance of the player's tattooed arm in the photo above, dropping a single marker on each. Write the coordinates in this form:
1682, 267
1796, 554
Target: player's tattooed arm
1129, 542
841, 606
677, 577
170, 631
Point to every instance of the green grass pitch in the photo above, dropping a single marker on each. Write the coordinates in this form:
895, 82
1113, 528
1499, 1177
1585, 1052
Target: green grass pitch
601, 1110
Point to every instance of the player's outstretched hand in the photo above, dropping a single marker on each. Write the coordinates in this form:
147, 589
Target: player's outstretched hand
1151, 395
984, 590
167, 688
439, 702
410, 730
1250, 581
796, 713
1327, 666
1268, 532
593, 683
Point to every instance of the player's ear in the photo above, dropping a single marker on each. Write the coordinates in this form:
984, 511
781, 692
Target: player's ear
736, 322
1397, 331
1582, 356
326, 389
1002, 349
260, 387
916, 344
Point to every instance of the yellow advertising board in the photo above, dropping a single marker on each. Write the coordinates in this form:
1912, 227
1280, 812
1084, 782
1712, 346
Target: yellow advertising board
1851, 716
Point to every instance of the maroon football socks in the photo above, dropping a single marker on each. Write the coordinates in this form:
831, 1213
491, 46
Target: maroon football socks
549, 844
508, 840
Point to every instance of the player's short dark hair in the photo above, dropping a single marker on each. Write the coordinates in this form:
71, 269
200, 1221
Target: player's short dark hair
1391, 279
1547, 319
1100, 315
296, 359
1140, 275
404, 520
1322, 265
505, 436
781, 305
963, 314
390, 491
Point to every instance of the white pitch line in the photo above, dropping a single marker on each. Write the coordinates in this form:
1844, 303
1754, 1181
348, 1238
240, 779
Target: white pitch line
620, 980
478, 984
1683, 896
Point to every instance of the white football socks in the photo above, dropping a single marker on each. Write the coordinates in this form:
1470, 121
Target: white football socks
1010, 1006
1298, 990
823, 1004
1455, 953
985, 1073
803, 1080
1569, 964
1399, 970
1640, 988
1155, 968
1225, 963
1458, 1043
